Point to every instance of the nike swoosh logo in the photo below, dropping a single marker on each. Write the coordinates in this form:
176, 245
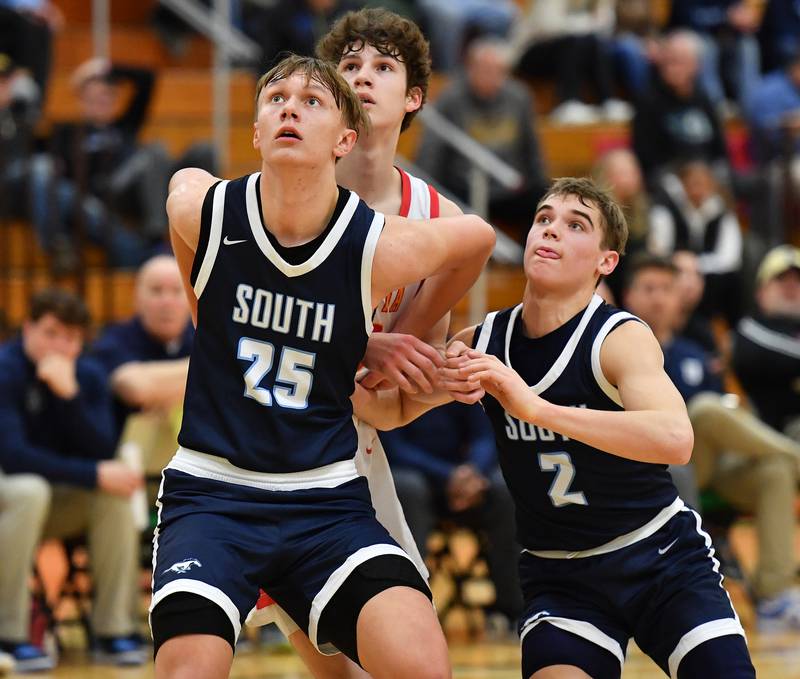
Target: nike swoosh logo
664, 550
225, 241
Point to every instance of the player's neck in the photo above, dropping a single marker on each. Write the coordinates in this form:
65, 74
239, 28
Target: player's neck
369, 171
544, 311
297, 205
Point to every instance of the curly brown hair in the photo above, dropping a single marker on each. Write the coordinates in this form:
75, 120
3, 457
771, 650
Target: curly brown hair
390, 34
353, 113
615, 227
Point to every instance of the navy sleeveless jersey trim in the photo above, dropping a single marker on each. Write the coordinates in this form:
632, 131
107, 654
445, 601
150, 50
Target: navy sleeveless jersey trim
214, 239
570, 497
321, 253
205, 230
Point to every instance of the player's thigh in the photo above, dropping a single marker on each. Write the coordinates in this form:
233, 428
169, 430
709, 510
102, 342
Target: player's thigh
551, 652
399, 637
195, 656
321, 666
689, 607
560, 672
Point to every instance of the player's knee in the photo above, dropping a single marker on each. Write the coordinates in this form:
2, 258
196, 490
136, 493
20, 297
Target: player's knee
30, 491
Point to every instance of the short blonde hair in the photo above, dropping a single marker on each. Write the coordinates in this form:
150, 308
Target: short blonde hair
324, 73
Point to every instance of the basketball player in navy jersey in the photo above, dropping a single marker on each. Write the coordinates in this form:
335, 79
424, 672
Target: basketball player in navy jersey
385, 59
586, 421
283, 270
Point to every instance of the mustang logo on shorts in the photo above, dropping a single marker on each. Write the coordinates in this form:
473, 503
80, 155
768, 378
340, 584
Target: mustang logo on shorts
183, 566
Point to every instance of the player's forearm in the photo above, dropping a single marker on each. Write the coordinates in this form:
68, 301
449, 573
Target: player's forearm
644, 435
390, 408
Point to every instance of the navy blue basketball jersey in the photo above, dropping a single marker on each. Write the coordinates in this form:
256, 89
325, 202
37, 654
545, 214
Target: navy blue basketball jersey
278, 342
569, 496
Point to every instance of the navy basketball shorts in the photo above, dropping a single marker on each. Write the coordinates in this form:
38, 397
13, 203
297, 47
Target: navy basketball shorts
224, 541
664, 591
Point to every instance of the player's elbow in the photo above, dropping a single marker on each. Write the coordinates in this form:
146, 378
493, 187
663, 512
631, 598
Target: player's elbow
485, 237
681, 442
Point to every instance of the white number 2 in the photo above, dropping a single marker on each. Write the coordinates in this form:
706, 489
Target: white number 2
294, 378
561, 464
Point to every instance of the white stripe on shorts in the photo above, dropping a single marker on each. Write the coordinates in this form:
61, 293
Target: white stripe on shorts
219, 469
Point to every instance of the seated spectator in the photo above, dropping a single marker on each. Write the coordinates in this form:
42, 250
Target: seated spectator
570, 42
452, 23
24, 504
56, 424
290, 25
104, 173
779, 33
18, 114
731, 61
26, 34
750, 465
691, 284
445, 464
773, 113
766, 348
620, 172
675, 119
497, 112
147, 360
635, 44
692, 213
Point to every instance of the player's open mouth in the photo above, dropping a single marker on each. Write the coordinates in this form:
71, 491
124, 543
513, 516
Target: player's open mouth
547, 253
366, 99
288, 133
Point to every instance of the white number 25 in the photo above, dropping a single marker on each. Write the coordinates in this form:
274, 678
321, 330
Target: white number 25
293, 381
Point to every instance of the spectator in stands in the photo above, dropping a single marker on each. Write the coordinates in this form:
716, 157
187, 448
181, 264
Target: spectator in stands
497, 112
773, 112
100, 159
692, 213
26, 34
675, 119
18, 115
571, 42
750, 465
291, 25
451, 23
24, 503
445, 464
730, 62
779, 34
691, 285
766, 348
635, 44
147, 359
56, 424
619, 170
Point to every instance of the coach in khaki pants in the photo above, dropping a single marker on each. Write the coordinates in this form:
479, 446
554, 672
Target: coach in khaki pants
56, 445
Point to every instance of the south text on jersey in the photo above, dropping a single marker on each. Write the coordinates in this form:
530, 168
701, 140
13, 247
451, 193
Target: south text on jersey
283, 313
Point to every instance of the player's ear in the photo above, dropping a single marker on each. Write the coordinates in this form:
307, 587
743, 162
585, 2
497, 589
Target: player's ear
255, 135
608, 262
413, 99
346, 143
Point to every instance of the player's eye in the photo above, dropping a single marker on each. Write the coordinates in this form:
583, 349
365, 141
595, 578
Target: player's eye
276, 98
349, 67
384, 67
313, 101
542, 219
576, 226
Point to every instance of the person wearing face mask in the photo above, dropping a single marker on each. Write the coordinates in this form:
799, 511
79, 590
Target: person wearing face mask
56, 448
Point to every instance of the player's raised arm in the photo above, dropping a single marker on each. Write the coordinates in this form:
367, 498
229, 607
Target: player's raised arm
187, 189
654, 427
412, 250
